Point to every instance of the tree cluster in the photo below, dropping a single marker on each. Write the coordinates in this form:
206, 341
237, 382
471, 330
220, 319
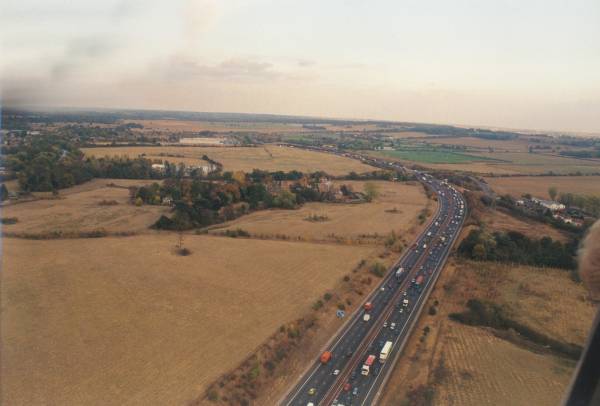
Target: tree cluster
199, 202
588, 203
514, 247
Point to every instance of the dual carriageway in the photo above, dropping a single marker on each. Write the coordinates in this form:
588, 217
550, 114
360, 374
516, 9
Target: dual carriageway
339, 381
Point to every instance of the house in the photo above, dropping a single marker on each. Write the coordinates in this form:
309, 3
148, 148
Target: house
202, 169
160, 168
325, 185
568, 220
549, 204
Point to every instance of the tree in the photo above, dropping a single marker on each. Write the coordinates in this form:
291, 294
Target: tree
3, 193
552, 192
371, 191
479, 251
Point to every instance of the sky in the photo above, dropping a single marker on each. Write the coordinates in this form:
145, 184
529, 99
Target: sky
515, 64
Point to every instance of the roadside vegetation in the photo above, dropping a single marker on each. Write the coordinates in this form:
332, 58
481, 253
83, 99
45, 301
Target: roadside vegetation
514, 247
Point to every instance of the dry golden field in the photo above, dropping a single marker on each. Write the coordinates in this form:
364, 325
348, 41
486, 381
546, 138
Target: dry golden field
197, 126
480, 368
497, 220
486, 370
517, 145
521, 163
271, 157
125, 321
526, 163
407, 134
538, 185
346, 221
78, 209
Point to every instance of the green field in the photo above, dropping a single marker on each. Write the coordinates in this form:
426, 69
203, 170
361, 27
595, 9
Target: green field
433, 156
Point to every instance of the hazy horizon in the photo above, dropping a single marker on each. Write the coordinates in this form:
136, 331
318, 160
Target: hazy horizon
502, 64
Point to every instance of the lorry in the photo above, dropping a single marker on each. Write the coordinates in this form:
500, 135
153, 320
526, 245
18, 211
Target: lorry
367, 365
325, 357
399, 272
385, 351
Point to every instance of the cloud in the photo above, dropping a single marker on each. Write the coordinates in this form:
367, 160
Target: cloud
198, 17
305, 63
80, 53
233, 69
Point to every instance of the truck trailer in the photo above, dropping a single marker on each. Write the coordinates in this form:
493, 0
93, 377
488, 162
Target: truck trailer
367, 365
385, 351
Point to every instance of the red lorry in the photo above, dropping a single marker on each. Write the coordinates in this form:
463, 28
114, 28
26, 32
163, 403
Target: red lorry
325, 357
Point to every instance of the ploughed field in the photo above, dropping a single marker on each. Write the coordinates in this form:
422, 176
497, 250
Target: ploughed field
101, 204
269, 157
395, 209
126, 321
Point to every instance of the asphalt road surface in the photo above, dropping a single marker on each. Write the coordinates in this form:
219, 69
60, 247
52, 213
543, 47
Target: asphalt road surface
341, 381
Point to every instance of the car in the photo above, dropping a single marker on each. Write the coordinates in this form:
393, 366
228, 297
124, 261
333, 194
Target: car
336, 372
393, 326
347, 386
405, 293
349, 353
312, 391
401, 310
376, 370
355, 391
353, 375
382, 289
310, 404
385, 324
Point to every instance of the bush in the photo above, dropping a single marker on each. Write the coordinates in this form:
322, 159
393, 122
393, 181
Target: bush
432, 311
212, 395
378, 269
327, 296
341, 306
238, 232
9, 220
184, 252
317, 305
485, 313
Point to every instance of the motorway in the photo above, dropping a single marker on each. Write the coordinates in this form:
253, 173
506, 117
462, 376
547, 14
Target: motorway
339, 381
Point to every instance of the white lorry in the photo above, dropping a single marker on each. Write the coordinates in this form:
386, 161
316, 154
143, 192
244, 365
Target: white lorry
385, 351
